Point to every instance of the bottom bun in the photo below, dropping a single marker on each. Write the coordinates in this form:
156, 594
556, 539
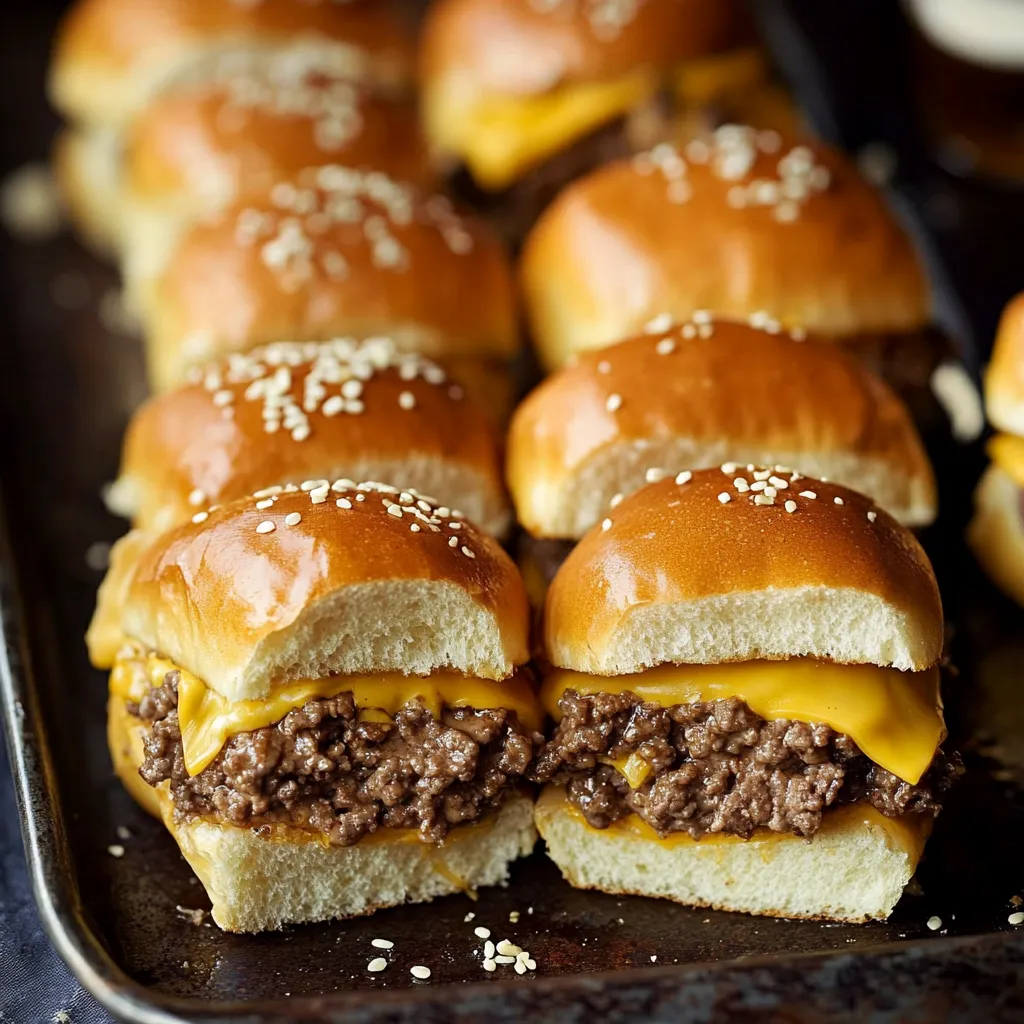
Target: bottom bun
854, 869
996, 533
260, 880
88, 170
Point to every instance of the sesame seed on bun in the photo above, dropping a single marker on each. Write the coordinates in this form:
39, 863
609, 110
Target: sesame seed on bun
738, 563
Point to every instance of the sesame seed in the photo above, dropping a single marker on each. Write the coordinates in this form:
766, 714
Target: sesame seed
761, 474
265, 503
200, 517
654, 958
872, 516
777, 481
616, 500
292, 519
934, 923
701, 316
762, 499
488, 948
725, 497
300, 433
466, 551
770, 492
469, 917
455, 525
414, 527
728, 468
653, 475
513, 916
266, 527
531, 964
504, 959
790, 505
688, 331
758, 485
196, 497
420, 972
223, 397
741, 485
838, 500
490, 965
808, 494
519, 967
377, 964
606, 525
343, 503
684, 477
333, 405
659, 324
665, 347
116, 850
604, 366
382, 944
407, 400
482, 933
507, 948
613, 402
1016, 918
453, 542
395, 510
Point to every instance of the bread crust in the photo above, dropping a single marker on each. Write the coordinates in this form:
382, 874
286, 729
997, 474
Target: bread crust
1004, 377
594, 429
712, 226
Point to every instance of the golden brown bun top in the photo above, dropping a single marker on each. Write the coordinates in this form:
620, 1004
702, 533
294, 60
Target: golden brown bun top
737, 222
247, 596
522, 47
107, 52
291, 411
1004, 378
239, 135
336, 252
705, 544
710, 384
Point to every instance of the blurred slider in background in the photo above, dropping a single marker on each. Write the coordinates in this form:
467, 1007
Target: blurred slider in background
525, 95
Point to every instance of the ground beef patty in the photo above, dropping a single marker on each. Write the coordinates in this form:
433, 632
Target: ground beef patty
718, 767
320, 768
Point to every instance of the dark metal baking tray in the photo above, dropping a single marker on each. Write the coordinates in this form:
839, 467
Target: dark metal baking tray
67, 384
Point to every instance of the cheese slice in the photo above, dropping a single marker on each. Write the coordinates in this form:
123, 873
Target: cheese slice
506, 136
704, 80
207, 719
894, 717
1007, 452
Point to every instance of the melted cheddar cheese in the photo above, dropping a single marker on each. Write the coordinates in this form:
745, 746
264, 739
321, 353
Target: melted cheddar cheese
506, 136
207, 719
894, 717
1007, 452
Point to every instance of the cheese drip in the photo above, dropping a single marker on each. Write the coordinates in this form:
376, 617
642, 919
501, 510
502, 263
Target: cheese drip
207, 719
1007, 452
894, 717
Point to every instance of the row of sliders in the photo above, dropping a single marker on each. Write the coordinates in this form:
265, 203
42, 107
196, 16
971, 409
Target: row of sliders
323, 691
334, 690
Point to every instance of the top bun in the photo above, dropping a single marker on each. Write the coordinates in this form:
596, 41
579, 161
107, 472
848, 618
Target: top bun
522, 47
334, 251
738, 222
290, 412
112, 56
331, 579
695, 395
737, 564
1004, 378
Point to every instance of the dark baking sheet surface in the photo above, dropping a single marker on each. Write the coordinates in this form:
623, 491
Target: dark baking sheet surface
67, 384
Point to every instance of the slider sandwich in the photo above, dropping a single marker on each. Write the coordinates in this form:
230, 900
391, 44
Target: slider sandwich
324, 701
298, 414
739, 222
197, 148
698, 394
339, 251
113, 57
527, 96
746, 690
996, 532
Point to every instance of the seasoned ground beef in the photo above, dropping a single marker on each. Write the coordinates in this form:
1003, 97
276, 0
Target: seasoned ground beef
718, 767
322, 769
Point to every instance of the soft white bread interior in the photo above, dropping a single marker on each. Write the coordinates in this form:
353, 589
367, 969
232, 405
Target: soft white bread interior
996, 533
104, 637
854, 869
331, 580
260, 882
87, 166
737, 564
